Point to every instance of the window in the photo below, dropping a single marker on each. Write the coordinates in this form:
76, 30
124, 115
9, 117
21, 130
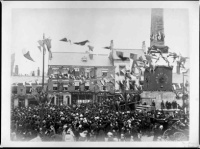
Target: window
104, 73
103, 88
28, 89
87, 72
87, 84
14, 89
55, 87
65, 73
76, 85
65, 86
76, 69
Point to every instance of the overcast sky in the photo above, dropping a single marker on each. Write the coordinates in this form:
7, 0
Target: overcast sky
127, 27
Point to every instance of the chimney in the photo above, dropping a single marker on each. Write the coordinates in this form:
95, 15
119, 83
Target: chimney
16, 70
178, 68
144, 46
111, 52
111, 44
33, 74
38, 72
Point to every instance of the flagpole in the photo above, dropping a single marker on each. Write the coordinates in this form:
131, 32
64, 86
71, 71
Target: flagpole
43, 64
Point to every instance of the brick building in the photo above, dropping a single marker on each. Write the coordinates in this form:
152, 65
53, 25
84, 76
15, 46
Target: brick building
66, 72
24, 88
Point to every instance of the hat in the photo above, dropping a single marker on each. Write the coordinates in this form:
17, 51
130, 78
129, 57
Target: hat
110, 134
65, 126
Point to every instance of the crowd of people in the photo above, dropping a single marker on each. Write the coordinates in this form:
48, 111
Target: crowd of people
87, 122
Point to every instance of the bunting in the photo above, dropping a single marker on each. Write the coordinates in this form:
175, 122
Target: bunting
120, 55
133, 63
90, 48
27, 55
107, 47
64, 39
81, 43
173, 55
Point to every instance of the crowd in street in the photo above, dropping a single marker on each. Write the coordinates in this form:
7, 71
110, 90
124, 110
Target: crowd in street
87, 122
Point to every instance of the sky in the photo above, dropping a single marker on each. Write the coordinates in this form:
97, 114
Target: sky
128, 28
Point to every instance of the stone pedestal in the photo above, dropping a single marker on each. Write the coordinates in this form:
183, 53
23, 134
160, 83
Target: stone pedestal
55, 99
26, 102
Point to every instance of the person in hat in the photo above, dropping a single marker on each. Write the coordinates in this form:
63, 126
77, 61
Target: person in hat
68, 135
162, 105
110, 136
83, 135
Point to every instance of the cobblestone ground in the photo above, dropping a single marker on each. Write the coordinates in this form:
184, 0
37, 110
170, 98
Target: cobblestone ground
146, 138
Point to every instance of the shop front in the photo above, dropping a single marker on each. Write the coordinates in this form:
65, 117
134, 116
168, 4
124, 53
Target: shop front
61, 98
82, 97
103, 96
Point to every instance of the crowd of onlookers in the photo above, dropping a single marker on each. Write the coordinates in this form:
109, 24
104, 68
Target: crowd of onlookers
88, 122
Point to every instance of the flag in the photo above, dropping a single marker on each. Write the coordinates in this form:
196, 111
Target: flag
117, 73
123, 71
140, 59
81, 43
133, 56
90, 48
107, 47
106, 80
39, 47
64, 39
91, 55
102, 82
48, 44
112, 76
41, 43
120, 55
27, 55
183, 59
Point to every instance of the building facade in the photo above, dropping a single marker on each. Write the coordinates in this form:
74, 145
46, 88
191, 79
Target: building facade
24, 88
76, 78
126, 64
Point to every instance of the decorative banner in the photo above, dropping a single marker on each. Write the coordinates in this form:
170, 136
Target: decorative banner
157, 27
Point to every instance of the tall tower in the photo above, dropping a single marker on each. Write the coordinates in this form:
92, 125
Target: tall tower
157, 28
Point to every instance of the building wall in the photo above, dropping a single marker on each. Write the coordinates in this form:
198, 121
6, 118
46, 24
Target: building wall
92, 87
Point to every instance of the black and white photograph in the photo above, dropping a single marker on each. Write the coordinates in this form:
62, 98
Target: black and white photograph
102, 74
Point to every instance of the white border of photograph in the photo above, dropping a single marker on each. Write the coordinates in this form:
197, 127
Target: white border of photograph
193, 8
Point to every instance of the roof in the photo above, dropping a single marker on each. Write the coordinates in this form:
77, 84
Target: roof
75, 59
139, 52
21, 79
